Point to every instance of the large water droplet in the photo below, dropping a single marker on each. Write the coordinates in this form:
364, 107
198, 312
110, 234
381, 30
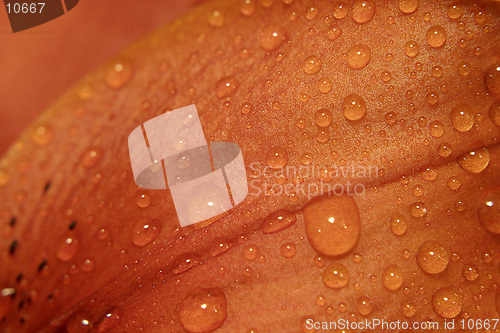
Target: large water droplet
432, 258
278, 220
489, 212
332, 224
312, 65
354, 107
119, 74
203, 311
398, 224
492, 79
408, 6
392, 277
358, 56
474, 161
226, 86
436, 36
462, 118
447, 303
336, 276
145, 230
277, 157
68, 247
411, 49
363, 11
110, 320
273, 37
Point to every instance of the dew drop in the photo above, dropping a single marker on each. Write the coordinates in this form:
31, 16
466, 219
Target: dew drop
354, 107
492, 79
495, 112
68, 247
312, 65
119, 74
88, 265
143, 200
432, 258
332, 224
363, 11
489, 212
248, 7
288, 250
392, 277
408, 6
278, 220
364, 306
429, 175
91, 157
277, 157
336, 276
323, 117
79, 322
447, 303
454, 11
437, 71
411, 49
246, 108
273, 37
358, 56
386, 76
474, 161
339, 10
305, 327
110, 320
42, 135
311, 13
408, 309
436, 129
185, 262
203, 311
436, 36
462, 118
464, 68
454, 184
417, 209
334, 32
444, 149
325, 85
145, 230
216, 19
227, 86
470, 272
398, 224
250, 252
220, 246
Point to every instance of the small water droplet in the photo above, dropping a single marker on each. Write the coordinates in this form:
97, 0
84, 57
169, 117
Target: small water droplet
91, 157
145, 230
325, 85
68, 247
332, 224
110, 320
354, 107
278, 220
334, 32
392, 277
358, 56
492, 79
446, 302
454, 184
464, 68
436, 36
79, 322
444, 149
323, 118
42, 135
436, 129
88, 265
247, 7
489, 212
143, 200
437, 71
408, 309
311, 13
408, 6
246, 108
203, 311
470, 272
429, 175
227, 86
363, 11
250, 252
411, 49
417, 209
119, 74
312, 65
336, 276
288, 250
398, 224
474, 161
185, 262
277, 157
454, 11
462, 118
432, 258
216, 19
364, 306
220, 246
339, 10
273, 37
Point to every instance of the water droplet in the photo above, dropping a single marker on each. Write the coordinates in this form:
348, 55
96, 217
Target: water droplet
363, 11
216, 19
454, 184
358, 56
334, 32
288, 250
220, 246
110, 320
304, 324
332, 224
432, 98
489, 212
273, 37
119, 74
339, 10
398, 224
454, 11
145, 230
470, 272
143, 200
436, 36
79, 322
364, 306
354, 107
312, 65
185, 262
418, 190
278, 220
417, 209
203, 311
495, 112
436, 129
336, 276
251, 252
42, 135
408, 309
411, 49
68, 246
227, 86
91, 157
492, 79
325, 85
432, 258
323, 118
246, 108
88, 265
4, 178
311, 13
446, 303
386, 76
408, 6
462, 118
277, 157
464, 68
392, 277
474, 161
444, 149
248, 7
429, 175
